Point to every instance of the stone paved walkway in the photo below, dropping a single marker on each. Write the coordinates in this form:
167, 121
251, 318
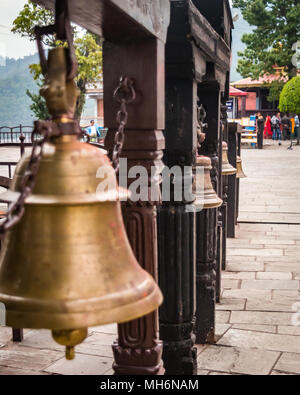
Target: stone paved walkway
255, 320
261, 286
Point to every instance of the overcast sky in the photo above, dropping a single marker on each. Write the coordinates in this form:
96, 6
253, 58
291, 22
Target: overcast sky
13, 45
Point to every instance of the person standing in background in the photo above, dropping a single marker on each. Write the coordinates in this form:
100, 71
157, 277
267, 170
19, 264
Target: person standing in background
276, 126
260, 131
287, 126
297, 129
95, 131
268, 128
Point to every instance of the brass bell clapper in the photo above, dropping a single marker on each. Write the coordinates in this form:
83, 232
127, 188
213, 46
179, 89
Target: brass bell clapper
66, 262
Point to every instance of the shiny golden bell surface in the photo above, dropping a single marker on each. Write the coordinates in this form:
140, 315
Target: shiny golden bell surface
227, 169
208, 197
240, 170
68, 263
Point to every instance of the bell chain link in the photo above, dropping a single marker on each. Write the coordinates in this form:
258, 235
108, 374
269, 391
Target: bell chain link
16, 209
47, 129
124, 94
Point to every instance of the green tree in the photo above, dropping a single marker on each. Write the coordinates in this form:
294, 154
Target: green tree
38, 105
88, 51
277, 29
290, 97
275, 89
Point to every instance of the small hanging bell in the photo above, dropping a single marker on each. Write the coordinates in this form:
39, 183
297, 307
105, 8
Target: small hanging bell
240, 170
227, 169
206, 196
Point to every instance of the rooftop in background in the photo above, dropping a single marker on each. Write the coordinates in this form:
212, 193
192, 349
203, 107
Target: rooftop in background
236, 92
279, 75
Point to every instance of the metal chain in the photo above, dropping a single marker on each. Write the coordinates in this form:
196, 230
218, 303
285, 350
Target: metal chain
47, 129
16, 209
124, 94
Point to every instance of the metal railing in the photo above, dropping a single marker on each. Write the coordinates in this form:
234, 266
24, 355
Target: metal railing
21, 137
10, 167
15, 134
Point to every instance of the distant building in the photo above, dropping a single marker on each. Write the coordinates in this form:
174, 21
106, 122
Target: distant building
236, 101
94, 109
257, 92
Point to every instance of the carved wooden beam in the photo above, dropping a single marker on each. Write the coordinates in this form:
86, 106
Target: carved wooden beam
119, 19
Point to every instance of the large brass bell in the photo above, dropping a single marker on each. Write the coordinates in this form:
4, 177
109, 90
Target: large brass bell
240, 170
208, 197
67, 265
227, 168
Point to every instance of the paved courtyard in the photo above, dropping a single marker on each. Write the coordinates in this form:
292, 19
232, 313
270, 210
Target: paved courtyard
257, 319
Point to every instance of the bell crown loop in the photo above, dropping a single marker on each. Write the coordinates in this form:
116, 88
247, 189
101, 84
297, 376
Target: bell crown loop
63, 31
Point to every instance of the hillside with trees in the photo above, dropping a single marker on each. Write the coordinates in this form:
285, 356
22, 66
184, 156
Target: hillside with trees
15, 80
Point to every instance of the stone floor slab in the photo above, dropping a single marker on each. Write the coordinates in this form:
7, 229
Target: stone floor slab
260, 318
244, 259
4, 371
41, 339
293, 296
18, 356
278, 305
237, 360
282, 267
99, 344
256, 328
255, 252
223, 317
289, 330
221, 329
231, 283
238, 275
270, 284
222, 374
5, 335
231, 304
247, 294
81, 365
272, 241
274, 276
241, 266
289, 363
261, 341
202, 372
109, 329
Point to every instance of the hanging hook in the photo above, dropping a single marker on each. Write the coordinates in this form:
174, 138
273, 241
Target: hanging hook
63, 31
